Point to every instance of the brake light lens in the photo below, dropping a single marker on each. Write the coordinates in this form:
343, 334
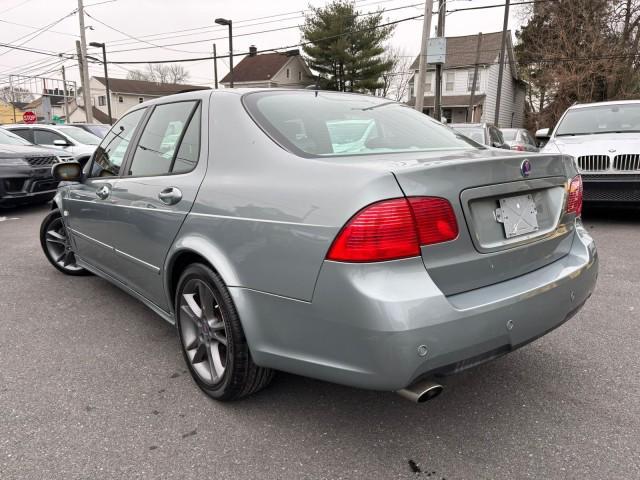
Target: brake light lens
574, 200
394, 229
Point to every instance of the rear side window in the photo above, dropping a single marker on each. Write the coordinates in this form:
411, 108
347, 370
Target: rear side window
158, 151
25, 133
109, 155
312, 124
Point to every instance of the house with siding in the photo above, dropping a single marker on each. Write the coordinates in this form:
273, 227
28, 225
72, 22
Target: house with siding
270, 70
124, 94
457, 80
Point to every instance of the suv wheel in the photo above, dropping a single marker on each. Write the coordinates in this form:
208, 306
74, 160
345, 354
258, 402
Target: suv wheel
212, 339
56, 245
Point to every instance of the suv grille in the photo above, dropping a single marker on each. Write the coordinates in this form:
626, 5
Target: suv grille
41, 161
592, 163
628, 162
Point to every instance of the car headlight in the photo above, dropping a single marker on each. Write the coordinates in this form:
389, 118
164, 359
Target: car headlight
65, 159
13, 162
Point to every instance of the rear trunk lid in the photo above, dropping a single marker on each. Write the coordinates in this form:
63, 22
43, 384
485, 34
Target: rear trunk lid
510, 223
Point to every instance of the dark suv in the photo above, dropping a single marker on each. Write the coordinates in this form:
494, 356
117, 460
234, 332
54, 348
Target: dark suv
25, 171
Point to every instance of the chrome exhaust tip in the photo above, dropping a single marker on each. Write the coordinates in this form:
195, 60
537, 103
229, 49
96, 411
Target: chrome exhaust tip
421, 391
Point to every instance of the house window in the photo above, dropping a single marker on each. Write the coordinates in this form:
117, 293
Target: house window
120, 99
288, 73
427, 85
299, 76
470, 81
102, 101
140, 99
450, 78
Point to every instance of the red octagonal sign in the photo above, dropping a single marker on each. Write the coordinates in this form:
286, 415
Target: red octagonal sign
29, 117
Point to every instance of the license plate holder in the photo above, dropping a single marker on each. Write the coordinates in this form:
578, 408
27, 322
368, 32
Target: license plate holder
518, 215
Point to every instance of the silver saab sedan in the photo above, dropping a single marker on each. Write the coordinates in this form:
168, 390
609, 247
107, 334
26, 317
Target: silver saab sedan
338, 236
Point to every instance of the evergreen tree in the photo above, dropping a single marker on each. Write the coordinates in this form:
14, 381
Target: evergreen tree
346, 47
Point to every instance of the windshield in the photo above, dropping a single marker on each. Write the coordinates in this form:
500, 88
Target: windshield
8, 138
618, 118
98, 130
80, 135
312, 123
474, 133
509, 134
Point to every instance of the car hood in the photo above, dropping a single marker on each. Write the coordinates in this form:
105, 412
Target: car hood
600, 144
13, 151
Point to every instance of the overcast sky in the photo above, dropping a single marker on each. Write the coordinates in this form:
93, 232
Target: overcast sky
149, 20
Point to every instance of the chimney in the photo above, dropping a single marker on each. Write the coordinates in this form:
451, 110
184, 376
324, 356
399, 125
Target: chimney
253, 51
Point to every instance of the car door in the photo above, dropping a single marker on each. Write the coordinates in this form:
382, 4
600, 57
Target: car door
47, 138
88, 204
156, 192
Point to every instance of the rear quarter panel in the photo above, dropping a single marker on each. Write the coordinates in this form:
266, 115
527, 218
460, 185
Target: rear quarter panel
266, 218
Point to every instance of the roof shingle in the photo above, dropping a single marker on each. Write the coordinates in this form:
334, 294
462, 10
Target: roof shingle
142, 87
258, 67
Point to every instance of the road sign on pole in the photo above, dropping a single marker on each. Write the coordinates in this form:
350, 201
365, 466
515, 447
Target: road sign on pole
29, 117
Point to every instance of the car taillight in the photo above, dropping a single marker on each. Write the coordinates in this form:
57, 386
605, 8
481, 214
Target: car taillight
393, 229
574, 200
519, 148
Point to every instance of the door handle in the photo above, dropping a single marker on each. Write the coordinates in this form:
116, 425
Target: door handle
170, 195
103, 192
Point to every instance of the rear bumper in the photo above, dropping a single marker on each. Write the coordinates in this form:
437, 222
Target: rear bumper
611, 187
366, 321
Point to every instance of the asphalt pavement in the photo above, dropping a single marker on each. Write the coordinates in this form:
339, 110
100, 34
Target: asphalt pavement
93, 385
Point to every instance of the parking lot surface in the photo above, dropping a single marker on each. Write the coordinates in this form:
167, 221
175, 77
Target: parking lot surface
93, 385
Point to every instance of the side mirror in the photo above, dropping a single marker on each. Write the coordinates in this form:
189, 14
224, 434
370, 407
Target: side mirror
67, 172
61, 143
543, 133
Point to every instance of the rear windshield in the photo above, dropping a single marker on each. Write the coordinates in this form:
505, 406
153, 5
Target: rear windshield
328, 124
509, 134
474, 133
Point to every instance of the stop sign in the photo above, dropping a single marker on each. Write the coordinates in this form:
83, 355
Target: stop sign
29, 117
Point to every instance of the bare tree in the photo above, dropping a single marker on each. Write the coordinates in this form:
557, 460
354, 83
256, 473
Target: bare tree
395, 81
161, 73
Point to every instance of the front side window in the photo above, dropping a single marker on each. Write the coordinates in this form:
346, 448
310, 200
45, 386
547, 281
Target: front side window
47, 137
450, 78
156, 150
496, 136
329, 124
109, 155
616, 118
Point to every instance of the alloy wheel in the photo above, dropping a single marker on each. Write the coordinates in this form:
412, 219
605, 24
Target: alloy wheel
59, 246
202, 328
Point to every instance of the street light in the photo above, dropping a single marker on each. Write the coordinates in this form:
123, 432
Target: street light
106, 76
224, 21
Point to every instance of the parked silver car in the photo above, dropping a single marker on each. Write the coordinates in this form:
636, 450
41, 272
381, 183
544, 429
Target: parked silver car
519, 139
483, 133
604, 138
271, 245
72, 140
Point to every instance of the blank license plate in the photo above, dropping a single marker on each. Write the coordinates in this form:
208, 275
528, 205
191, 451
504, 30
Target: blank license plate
518, 215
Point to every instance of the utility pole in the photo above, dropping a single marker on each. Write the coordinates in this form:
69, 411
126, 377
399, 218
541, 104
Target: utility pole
64, 96
474, 84
442, 6
501, 66
215, 66
82, 61
422, 64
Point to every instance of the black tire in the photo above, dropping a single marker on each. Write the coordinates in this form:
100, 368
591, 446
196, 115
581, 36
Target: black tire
58, 249
240, 376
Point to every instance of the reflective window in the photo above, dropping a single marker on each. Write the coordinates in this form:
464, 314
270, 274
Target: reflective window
189, 150
158, 143
46, 137
110, 154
